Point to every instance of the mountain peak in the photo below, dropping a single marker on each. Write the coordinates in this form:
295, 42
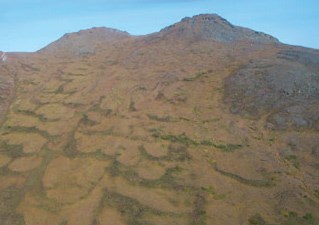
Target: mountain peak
215, 18
103, 32
86, 41
214, 27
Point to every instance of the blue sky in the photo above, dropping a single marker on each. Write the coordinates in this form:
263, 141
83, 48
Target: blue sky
28, 25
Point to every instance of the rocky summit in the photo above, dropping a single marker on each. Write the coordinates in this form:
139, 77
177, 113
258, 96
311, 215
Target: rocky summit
201, 123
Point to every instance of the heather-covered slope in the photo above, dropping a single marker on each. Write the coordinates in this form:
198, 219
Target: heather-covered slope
201, 123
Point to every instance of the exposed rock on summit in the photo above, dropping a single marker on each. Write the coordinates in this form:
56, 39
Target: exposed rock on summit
214, 27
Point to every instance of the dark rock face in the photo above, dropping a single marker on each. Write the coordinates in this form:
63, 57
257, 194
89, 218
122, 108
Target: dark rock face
214, 27
286, 90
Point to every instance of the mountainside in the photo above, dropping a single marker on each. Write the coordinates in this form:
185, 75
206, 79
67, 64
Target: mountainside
201, 123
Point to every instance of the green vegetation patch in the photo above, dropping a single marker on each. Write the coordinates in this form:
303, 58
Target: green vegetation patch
161, 119
85, 120
64, 222
107, 132
257, 220
33, 114
292, 218
255, 183
196, 76
148, 156
70, 148
199, 214
211, 190
9, 201
223, 147
132, 107
13, 151
294, 160
169, 180
132, 210
29, 130
183, 139
176, 152
114, 168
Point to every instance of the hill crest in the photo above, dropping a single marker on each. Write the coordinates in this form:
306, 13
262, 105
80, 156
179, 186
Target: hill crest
210, 27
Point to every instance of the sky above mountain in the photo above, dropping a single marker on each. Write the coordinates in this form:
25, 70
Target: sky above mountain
30, 25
